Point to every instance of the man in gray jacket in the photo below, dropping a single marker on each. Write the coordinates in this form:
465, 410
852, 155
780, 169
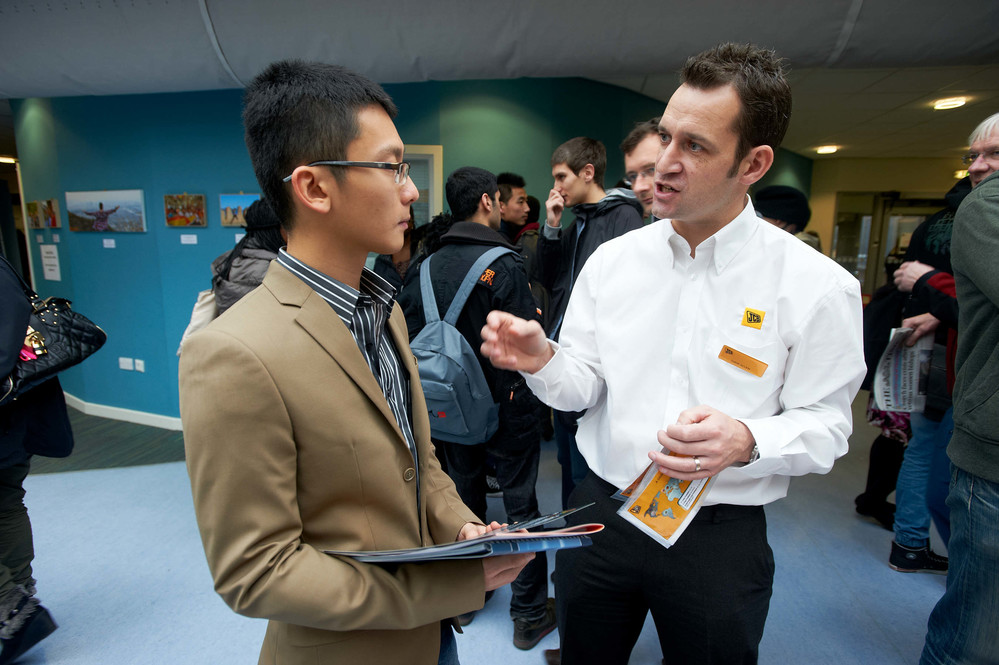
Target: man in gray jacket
962, 627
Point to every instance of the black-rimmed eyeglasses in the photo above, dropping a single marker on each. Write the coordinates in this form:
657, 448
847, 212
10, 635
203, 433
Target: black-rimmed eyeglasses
401, 168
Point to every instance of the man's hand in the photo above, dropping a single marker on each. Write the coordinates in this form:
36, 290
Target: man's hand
703, 442
554, 206
909, 273
498, 570
510, 342
921, 324
474, 530
501, 570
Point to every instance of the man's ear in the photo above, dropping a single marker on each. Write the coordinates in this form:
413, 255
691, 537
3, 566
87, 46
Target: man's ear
314, 189
755, 164
586, 173
486, 202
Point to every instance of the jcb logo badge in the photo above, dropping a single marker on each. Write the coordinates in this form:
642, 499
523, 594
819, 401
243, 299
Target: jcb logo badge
753, 318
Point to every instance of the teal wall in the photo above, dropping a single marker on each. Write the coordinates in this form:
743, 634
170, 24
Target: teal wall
142, 291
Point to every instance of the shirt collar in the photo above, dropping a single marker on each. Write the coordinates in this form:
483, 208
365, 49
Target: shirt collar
724, 245
342, 298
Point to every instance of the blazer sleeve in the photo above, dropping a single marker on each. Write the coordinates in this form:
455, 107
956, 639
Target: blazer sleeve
242, 460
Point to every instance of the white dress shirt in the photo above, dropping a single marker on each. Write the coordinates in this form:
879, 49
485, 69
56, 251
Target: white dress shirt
644, 329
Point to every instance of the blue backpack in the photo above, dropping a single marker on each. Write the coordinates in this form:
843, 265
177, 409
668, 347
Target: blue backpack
459, 401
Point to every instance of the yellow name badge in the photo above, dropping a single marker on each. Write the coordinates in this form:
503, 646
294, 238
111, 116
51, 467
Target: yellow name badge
753, 318
742, 361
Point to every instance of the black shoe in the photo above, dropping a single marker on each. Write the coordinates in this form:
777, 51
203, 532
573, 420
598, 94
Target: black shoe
527, 635
553, 656
35, 628
916, 560
882, 513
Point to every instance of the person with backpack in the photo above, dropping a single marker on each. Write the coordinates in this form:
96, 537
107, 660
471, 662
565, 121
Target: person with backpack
514, 446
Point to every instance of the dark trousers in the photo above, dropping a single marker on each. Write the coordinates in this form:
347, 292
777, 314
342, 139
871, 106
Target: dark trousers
517, 475
16, 545
574, 467
709, 594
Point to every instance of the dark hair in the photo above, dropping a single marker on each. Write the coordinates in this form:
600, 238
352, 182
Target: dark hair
433, 230
785, 204
298, 112
507, 182
638, 133
464, 190
580, 151
534, 209
758, 78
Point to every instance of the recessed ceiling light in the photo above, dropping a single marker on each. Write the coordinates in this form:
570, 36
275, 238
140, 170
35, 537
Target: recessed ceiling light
7, 160
949, 103
958, 175
827, 149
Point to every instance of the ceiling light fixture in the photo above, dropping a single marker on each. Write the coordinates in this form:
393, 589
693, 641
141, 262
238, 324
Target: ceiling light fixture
949, 103
958, 175
4, 159
827, 149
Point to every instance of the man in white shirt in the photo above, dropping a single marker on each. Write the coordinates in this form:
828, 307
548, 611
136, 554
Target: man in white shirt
716, 338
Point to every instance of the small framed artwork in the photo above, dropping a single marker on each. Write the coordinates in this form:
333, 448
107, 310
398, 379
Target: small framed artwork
34, 215
233, 206
121, 210
185, 209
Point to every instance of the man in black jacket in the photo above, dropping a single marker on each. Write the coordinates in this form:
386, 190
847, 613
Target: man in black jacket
515, 449
578, 167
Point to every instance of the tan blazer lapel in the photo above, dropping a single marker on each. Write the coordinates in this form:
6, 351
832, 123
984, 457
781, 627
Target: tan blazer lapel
323, 324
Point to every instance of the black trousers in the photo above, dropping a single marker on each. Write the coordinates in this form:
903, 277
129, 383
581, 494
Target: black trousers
709, 594
517, 475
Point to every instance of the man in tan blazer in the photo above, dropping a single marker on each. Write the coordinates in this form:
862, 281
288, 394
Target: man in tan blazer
304, 421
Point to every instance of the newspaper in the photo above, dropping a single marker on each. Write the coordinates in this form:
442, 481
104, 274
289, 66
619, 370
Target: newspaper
506, 540
663, 507
902, 373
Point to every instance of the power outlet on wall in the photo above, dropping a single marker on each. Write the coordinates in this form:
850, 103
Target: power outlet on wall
126, 364
140, 365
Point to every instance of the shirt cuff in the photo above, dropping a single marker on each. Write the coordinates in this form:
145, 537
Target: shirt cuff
550, 370
551, 232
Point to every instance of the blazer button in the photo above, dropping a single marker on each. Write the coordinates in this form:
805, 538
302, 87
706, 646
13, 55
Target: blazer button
409, 474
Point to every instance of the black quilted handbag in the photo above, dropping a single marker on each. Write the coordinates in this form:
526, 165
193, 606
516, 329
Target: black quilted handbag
57, 338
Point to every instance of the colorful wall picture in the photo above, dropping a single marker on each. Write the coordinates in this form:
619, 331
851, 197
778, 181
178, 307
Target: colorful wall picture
185, 210
34, 217
121, 210
49, 211
233, 206
43, 214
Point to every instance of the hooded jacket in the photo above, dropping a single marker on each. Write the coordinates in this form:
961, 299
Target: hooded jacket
560, 258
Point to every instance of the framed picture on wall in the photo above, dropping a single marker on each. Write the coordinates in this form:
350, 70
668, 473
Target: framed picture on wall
49, 211
122, 210
185, 209
233, 206
34, 215
426, 169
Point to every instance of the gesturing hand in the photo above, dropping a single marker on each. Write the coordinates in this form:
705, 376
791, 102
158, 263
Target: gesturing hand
514, 343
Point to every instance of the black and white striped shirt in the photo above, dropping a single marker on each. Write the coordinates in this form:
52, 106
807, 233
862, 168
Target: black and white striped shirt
366, 313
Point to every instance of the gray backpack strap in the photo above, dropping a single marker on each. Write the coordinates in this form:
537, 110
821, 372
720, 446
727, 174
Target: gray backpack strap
430, 311
467, 284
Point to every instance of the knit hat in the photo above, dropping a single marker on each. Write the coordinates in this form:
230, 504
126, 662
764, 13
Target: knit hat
785, 204
260, 216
